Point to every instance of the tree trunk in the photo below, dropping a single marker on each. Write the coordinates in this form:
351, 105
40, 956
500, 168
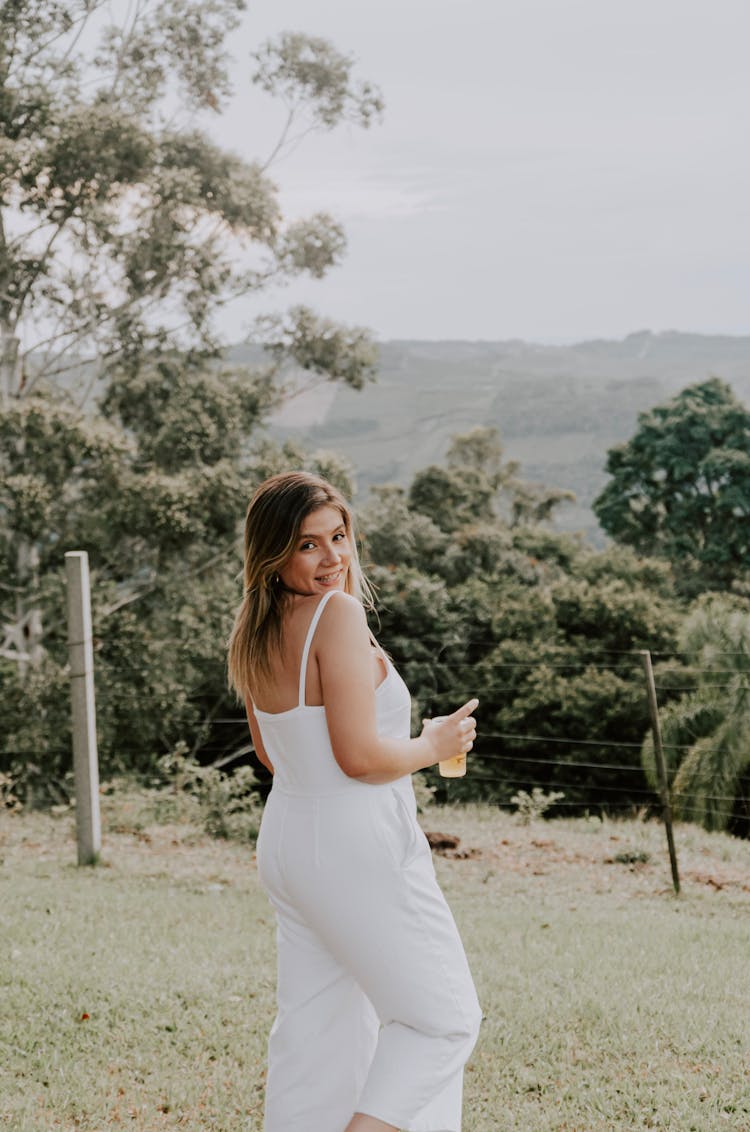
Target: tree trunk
28, 630
9, 368
23, 641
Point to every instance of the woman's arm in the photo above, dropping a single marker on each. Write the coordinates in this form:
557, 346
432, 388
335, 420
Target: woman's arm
252, 723
344, 655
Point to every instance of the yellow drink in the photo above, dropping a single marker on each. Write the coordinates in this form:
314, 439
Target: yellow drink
453, 768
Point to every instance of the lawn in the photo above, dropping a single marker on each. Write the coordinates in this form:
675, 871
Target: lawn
138, 994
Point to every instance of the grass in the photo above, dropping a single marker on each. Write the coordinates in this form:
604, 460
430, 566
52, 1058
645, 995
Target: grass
139, 994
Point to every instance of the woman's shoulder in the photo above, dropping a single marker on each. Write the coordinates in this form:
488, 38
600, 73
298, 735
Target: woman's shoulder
336, 609
308, 604
342, 613
341, 604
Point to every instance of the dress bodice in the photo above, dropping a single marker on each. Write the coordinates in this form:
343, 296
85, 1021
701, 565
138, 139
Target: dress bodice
297, 740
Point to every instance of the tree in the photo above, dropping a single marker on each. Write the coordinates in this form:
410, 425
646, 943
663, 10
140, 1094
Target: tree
477, 598
155, 493
124, 427
476, 484
706, 732
680, 487
124, 229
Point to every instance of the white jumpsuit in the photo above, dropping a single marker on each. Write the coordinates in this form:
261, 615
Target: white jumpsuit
377, 1011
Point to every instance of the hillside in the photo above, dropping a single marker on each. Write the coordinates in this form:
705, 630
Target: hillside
558, 408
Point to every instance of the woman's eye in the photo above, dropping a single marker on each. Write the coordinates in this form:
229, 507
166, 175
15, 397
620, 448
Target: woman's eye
339, 536
307, 546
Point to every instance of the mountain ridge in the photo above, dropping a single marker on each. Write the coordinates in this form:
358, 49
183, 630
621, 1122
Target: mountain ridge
558, 408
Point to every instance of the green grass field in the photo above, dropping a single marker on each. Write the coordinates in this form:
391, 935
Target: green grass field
138, 994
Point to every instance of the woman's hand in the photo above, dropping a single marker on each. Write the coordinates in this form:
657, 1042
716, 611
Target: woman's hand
451, 735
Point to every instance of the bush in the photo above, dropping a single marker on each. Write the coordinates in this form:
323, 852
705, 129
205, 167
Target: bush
228, 804
534, 805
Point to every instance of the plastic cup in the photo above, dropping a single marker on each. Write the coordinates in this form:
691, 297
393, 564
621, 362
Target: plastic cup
451, 768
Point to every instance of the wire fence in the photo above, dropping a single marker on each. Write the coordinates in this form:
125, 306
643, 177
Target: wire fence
484, 762
495, 767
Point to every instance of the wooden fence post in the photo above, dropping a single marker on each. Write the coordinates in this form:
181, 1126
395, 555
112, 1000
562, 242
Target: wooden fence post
81, 658
661, 766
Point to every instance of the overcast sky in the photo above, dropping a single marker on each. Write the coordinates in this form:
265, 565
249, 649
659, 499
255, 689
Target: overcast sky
546, 169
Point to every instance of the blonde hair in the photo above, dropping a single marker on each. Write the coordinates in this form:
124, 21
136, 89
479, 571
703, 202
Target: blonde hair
272, 525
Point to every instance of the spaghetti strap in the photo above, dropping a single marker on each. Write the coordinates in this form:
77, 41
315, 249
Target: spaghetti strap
308, 642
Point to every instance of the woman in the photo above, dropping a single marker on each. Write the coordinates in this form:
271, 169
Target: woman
377, 1011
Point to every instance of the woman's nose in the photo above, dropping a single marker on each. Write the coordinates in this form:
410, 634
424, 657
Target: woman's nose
332, 553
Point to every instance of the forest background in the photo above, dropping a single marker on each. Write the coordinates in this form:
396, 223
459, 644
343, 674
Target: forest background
130, 429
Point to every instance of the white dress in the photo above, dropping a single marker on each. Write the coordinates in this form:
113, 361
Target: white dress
377, 1011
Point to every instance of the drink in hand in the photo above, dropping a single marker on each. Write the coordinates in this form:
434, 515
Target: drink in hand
453, 768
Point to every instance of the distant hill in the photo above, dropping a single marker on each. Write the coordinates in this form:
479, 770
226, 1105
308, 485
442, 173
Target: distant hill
558, 408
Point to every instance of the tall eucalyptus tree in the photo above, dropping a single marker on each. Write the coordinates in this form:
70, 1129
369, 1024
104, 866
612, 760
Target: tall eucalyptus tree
124, 229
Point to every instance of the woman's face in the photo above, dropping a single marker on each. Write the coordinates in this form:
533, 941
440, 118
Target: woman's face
320, 561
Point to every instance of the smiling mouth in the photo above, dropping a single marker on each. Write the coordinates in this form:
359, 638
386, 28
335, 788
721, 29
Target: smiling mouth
326, 579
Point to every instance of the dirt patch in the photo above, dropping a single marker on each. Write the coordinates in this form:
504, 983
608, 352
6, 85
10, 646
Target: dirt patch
594, 856
578, 855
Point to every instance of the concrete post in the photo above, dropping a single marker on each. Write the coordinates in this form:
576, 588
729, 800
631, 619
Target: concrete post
81, 658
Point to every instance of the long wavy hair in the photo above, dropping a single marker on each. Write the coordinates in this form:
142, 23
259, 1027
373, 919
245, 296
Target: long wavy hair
273, 522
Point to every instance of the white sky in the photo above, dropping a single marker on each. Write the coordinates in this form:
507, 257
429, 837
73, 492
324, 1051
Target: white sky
546, 169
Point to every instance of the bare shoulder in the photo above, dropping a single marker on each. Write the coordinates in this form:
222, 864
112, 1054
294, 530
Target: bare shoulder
343, 615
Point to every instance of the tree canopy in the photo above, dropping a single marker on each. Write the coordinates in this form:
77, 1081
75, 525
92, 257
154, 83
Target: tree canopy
680, 487
124, 427
477, 598
705, 732
124, 228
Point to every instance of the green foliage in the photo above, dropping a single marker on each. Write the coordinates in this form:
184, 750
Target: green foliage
610, 609
466, 489
104, 235
397, 535
160, 483
229, 806
319, 346
631, 857
476, 485
53, 460
531, 807
35, 740
124, 229
269, 458
681, 487
705, 732
475, 601
315, 81
9, 800
185, 416
161, 546
452, 497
